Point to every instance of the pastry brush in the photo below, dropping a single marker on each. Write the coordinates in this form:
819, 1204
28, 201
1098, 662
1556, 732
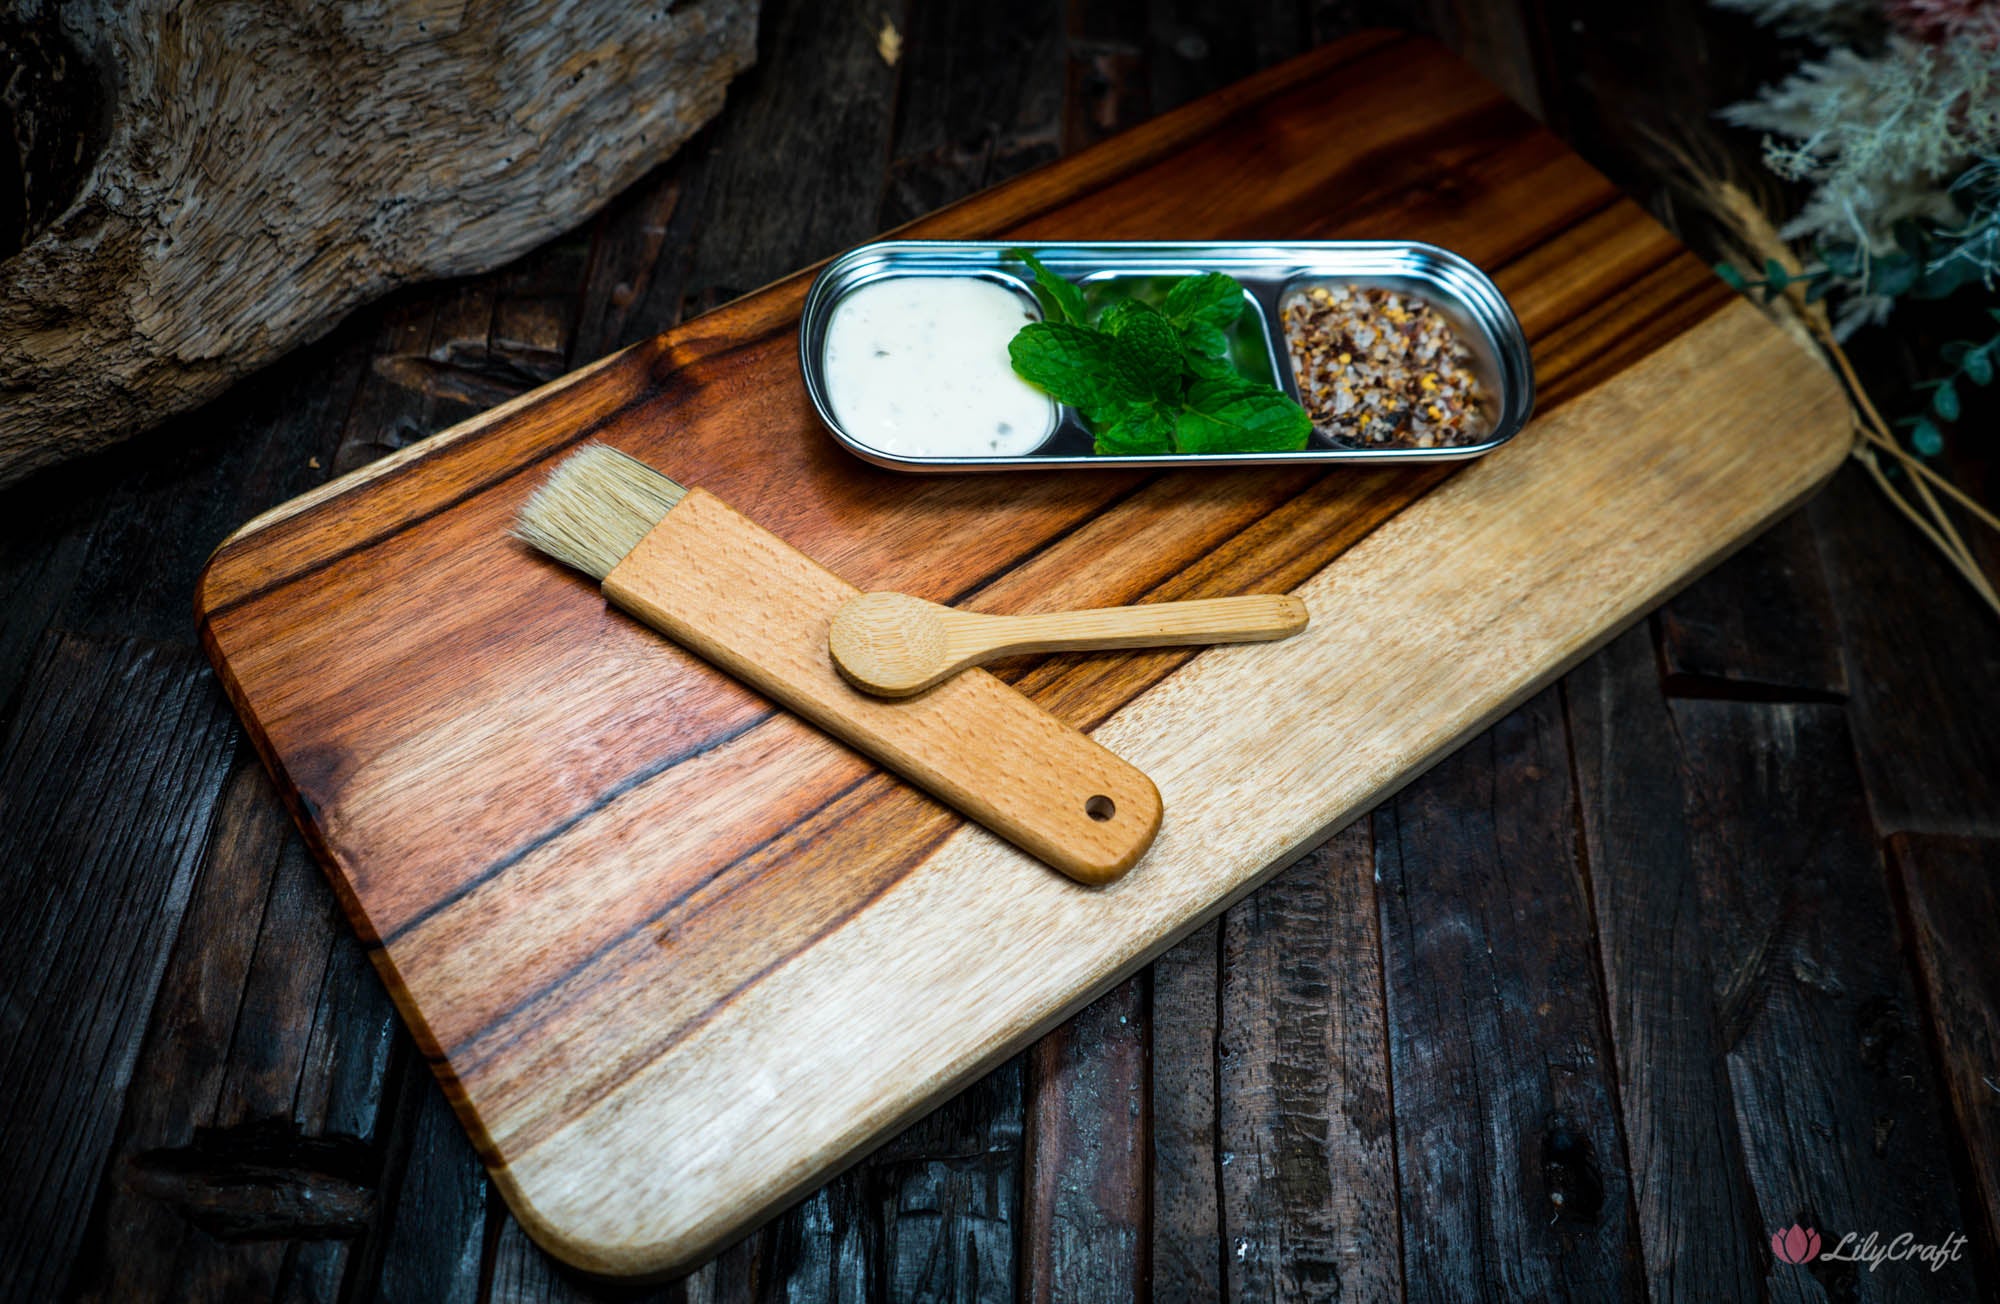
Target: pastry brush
721, 586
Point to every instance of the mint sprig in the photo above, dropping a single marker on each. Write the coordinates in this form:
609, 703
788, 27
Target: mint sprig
1148, 380
1061, 300
1205, 308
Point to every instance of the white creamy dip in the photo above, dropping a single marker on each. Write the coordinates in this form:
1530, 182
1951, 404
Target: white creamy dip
917, 366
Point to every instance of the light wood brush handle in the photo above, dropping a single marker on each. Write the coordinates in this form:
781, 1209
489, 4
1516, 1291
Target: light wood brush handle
738, 595
894, 645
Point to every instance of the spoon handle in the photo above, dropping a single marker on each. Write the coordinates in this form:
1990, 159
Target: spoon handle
1253, 618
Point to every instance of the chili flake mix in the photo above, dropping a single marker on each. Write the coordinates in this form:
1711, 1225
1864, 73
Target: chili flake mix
1381, 369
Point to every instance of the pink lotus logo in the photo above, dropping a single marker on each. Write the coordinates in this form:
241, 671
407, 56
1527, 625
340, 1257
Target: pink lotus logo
1798, 1245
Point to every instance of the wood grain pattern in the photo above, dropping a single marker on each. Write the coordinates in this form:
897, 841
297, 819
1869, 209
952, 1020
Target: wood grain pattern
1820, 1030
1681, 1132
724, 587
1950, 887
1084, 1200
111, 770
644, 1049
1761, 625
1931, 744
1187, 1222
1507, 1072
1308, 1163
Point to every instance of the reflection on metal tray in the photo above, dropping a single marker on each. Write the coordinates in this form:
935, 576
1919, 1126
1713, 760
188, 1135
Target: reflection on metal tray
1466, 296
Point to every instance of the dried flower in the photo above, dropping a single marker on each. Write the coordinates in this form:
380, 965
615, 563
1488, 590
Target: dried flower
1897, 129
1943, 21
1881, 137
1816, 18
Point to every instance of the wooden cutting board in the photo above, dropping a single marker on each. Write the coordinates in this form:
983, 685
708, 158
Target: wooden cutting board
678, 959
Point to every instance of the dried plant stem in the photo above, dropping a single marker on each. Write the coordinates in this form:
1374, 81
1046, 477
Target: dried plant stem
1874, 433
1705, 175
1950, 531
1875, 430
1960, 559
1915, 465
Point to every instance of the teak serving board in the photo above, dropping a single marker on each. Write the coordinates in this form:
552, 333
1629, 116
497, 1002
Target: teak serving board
676, 958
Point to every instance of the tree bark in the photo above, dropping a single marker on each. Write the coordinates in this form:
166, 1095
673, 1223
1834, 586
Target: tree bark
256, 171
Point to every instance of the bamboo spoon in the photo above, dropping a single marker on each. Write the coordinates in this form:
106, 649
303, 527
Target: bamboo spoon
894, 645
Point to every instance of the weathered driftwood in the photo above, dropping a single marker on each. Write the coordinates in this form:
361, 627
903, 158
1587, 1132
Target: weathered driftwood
263, 169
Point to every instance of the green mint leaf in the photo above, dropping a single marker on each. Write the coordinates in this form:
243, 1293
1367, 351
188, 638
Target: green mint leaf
1944, 401
1139, 430
1731, 277
1204, 340
1222, 416
1115, 317
1202, 366
1061, 300
1145, 349
1074, 364
1212, 300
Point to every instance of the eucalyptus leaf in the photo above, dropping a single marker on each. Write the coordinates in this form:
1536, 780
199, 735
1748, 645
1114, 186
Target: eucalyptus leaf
1892, 274
1940, 281
1978, 365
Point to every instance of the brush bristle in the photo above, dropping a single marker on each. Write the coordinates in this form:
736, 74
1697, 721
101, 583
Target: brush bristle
595, 507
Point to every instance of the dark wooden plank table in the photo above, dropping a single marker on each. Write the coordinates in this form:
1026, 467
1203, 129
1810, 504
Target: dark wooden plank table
1695, 944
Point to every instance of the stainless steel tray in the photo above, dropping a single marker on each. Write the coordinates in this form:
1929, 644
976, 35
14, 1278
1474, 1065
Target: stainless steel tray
1466, 295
